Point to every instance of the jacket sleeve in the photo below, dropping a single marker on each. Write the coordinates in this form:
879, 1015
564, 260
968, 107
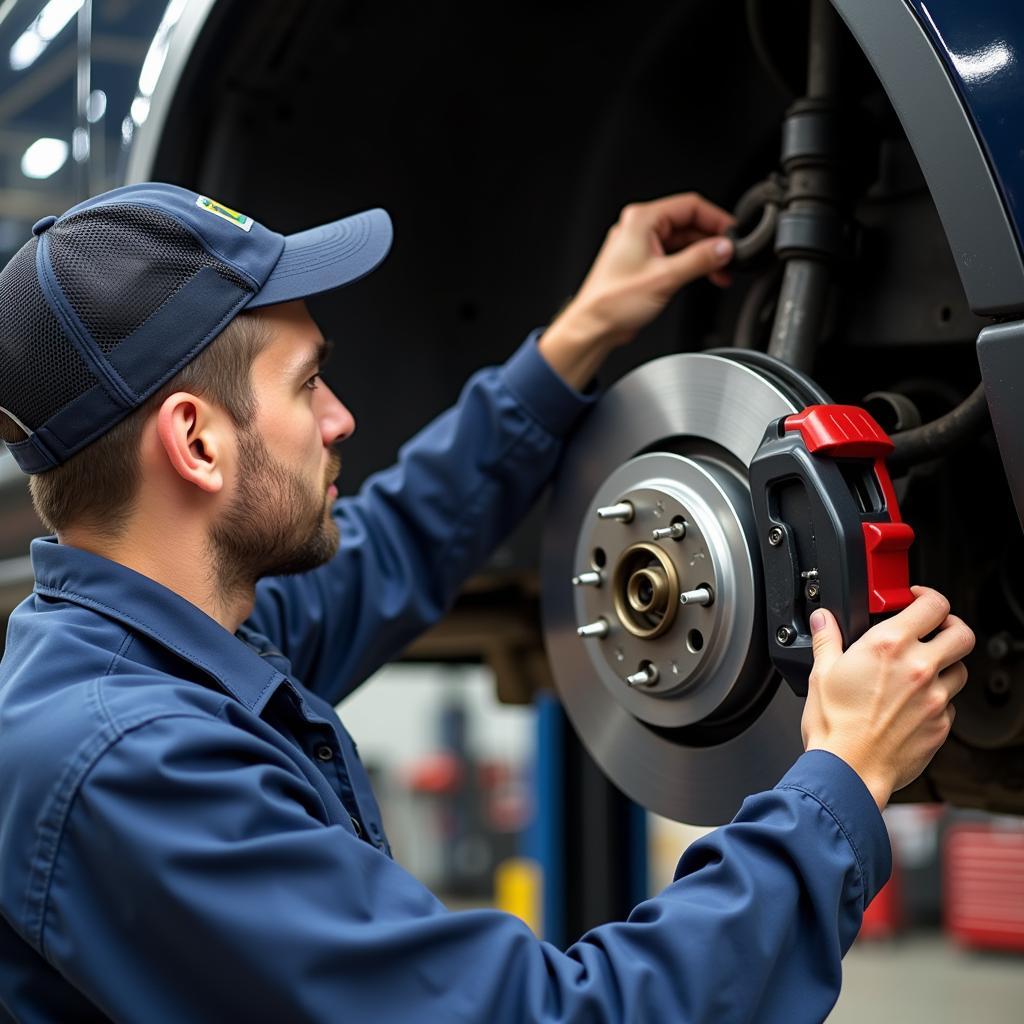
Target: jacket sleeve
417, 531
197, 880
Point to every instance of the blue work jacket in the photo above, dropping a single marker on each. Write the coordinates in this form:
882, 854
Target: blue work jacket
187, 834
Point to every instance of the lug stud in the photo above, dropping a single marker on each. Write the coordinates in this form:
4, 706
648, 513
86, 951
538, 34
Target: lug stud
677, 531
587, 579
702, 595
646, 676
623, 512
598, 628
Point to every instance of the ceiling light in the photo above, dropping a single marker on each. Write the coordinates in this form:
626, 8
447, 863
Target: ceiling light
45, 27
44, 158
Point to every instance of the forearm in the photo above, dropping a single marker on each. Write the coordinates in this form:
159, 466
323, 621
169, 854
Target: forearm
779, 894
575, 348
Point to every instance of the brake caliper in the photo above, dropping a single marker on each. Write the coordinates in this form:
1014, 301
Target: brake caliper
829, 528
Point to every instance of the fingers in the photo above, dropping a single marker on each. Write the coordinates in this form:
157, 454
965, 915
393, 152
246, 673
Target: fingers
826, 640
953, 679
677, 213
928, 611
953, 642
682, 237
697, 260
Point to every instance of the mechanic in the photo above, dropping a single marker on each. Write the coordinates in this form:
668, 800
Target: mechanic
186, 831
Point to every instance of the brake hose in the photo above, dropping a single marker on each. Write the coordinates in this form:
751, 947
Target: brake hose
933, 439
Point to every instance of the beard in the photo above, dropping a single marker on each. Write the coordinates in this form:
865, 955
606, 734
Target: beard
278, 523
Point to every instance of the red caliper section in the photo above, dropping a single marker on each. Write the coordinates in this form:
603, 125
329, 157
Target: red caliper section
848, 432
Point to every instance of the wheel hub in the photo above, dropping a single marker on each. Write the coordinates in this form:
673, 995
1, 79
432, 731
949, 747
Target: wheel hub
667, 662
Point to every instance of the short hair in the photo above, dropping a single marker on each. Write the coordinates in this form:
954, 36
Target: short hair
98, 487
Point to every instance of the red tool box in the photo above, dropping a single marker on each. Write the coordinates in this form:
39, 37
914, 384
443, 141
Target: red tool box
983, 876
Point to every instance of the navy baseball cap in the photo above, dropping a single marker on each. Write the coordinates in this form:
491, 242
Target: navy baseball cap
106, 303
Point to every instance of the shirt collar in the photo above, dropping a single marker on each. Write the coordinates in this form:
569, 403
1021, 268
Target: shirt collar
148, 607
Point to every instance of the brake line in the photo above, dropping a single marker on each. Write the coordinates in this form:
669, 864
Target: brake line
931, 440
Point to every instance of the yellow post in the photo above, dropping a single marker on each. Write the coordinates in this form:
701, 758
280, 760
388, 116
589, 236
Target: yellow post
517, 890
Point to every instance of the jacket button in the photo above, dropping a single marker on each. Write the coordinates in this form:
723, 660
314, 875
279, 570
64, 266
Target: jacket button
324, 752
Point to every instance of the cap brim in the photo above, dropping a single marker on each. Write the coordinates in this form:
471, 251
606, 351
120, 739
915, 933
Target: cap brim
327, 257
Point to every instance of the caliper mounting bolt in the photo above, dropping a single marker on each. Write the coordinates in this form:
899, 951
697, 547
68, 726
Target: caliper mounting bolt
775, 536
785, 635
812, 588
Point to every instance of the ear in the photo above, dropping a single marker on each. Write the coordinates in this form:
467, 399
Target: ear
194, 437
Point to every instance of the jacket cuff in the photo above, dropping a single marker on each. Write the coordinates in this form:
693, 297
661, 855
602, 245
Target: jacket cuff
841, 792
544, 395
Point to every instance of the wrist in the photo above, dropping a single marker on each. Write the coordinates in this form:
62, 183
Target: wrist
878, 783
580, 324
575, 347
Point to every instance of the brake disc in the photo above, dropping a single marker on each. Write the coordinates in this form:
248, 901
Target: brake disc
675, 699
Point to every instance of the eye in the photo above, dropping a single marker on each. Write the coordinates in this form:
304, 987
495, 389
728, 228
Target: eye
313, 383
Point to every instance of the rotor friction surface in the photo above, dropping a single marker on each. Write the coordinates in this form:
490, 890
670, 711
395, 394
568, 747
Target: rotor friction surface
677, 401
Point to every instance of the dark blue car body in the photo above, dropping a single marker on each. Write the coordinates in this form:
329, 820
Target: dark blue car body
982, 46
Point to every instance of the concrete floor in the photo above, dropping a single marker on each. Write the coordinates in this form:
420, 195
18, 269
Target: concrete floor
924, 979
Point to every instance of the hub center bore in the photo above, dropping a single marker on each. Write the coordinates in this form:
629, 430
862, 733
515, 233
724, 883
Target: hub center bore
645, 590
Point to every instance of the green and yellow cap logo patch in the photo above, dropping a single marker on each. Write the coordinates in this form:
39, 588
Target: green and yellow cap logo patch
240, 220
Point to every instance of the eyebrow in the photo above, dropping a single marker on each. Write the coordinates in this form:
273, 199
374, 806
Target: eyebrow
317, 361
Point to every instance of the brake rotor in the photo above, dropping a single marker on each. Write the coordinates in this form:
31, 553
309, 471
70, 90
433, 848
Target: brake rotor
675, 699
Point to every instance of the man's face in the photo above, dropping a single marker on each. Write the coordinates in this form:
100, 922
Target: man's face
278, 519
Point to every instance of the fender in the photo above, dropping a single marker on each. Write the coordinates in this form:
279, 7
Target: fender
951, 113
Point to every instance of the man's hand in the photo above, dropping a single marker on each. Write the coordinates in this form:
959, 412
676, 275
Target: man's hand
883, 706
653, 250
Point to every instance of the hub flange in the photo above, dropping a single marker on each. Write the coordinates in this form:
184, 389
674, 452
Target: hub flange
692, 647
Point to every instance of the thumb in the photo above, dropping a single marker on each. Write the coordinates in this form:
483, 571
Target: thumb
699, 259
826, 639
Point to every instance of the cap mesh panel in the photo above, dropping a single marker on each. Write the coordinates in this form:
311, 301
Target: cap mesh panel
40, 370
119, 264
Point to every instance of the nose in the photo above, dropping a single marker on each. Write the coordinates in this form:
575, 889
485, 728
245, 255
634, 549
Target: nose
336, 422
